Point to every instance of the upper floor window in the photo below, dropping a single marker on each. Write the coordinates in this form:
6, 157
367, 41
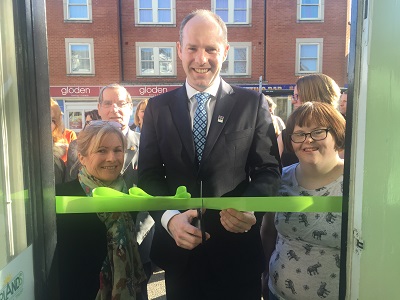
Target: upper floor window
238, 60
309, 56
155, 11
233, 11
79, 54
77, 10
156, 61
310, 10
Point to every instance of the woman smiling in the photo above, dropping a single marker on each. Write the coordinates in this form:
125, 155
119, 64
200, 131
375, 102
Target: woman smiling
306, 260
102, 243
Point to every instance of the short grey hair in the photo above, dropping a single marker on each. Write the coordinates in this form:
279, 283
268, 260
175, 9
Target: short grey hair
114, 86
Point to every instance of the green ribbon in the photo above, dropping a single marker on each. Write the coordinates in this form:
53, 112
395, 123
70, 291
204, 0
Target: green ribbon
109, 200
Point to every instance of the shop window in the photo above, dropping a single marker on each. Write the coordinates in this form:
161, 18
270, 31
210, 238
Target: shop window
74, 114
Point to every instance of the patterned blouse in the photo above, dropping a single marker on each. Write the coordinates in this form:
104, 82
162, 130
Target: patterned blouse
306, 260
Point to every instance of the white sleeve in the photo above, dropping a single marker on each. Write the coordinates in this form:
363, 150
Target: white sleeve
168, 214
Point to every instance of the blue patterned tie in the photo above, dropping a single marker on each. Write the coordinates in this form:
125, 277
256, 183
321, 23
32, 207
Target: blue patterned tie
200, 124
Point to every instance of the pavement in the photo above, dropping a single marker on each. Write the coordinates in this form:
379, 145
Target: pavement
156, 286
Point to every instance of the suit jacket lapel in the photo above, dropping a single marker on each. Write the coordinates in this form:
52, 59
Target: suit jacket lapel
223, 108
179, 108
132, 148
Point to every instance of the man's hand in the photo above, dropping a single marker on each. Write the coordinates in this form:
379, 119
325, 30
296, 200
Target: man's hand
237, 221
184, 233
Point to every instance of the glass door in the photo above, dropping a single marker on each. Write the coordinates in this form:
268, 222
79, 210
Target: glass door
16, 255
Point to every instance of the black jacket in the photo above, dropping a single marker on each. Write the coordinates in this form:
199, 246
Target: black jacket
81, 249
241, 144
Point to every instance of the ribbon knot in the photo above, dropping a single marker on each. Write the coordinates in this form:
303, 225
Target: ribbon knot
200, 124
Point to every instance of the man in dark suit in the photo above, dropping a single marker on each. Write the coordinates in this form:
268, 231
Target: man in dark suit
239, 158
115, 104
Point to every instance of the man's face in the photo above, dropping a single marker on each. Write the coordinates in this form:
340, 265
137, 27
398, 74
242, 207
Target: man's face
202, 52
115, 107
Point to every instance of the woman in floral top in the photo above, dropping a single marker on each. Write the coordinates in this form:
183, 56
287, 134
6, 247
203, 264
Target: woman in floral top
305, 262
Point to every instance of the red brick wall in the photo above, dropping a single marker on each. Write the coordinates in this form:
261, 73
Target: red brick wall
132, 34
105, 34
282, 31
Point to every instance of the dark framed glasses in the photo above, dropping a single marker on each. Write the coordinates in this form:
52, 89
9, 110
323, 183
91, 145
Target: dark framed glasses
316, 135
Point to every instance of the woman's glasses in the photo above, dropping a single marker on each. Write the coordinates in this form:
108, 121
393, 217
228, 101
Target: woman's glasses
316, 135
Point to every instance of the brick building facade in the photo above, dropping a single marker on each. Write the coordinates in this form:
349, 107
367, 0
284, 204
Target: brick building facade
92, 43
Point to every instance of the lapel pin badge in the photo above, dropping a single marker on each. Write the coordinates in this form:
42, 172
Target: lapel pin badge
133, 148
220, 119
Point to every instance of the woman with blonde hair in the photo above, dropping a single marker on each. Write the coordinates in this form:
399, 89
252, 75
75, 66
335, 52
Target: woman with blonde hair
60, 144
57, 125
317, 88
98, 253
140, 108
276, 120
61, 136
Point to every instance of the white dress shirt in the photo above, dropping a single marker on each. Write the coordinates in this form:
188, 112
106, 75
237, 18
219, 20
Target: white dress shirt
209, 105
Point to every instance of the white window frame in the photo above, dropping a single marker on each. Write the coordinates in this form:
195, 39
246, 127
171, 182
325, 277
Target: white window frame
78, 41
231, 12
77, 108
155, 14
231, 62
155, 45
321, 9
67, 5
319, 42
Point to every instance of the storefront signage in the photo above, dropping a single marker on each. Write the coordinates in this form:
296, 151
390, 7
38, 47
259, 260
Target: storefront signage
149, 90
16, 279
139, 90
74, 91
93, 91
12, 287
270, 87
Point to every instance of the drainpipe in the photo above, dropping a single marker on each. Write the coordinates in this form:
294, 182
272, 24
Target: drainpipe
121, 54
265, 41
